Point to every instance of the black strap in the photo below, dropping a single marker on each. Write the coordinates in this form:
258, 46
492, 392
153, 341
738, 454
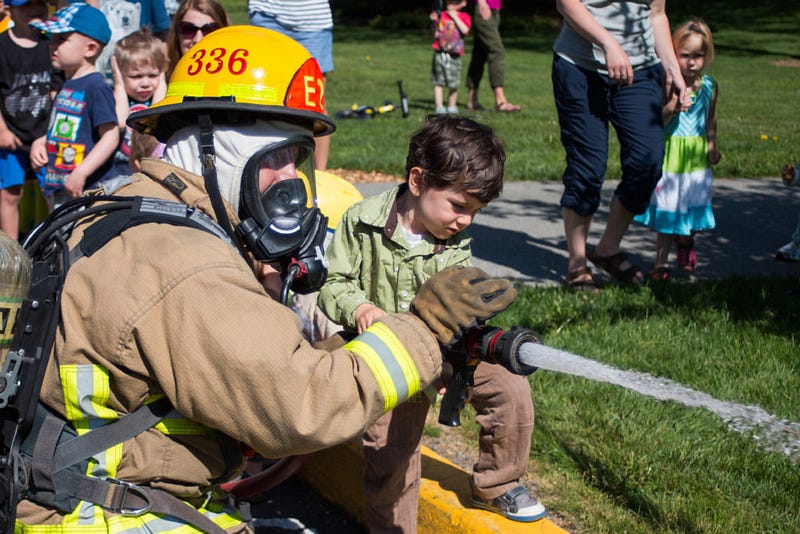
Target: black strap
101, 438
131, 500
210, 178
50, 468
146, 210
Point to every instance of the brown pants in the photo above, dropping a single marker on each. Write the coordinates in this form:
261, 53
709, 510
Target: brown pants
392, 460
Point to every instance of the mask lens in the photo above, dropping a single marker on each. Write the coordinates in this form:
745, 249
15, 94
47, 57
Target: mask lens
277, 195
287, 162
292, 159
278, 165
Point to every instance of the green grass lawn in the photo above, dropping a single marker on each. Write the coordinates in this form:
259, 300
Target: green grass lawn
758, 116
606, 459
610, 460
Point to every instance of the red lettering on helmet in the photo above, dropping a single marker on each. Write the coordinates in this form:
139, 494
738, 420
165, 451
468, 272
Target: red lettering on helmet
306, 90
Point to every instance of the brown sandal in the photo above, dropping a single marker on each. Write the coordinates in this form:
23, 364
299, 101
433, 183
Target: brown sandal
619, 266
577, 280
507, 107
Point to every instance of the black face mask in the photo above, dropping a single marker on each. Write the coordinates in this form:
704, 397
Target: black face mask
277, 225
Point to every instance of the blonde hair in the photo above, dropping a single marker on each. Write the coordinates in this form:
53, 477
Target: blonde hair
695, 27
138, 49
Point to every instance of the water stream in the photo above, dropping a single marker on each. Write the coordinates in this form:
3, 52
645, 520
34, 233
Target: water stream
772, 434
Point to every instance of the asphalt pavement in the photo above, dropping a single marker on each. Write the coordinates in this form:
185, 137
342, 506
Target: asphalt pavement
521, 235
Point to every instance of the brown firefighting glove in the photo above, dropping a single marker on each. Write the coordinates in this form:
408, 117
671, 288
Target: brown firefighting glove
458, 298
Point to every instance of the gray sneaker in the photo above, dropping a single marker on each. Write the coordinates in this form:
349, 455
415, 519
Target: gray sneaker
516, 504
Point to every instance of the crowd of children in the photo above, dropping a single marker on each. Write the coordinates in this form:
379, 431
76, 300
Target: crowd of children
62, 127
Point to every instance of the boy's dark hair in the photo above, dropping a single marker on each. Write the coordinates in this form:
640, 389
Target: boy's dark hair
456, 152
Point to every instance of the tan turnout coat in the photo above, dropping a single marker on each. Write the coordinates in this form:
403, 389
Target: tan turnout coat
172, 310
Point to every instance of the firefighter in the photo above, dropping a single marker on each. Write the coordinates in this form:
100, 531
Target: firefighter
165, 311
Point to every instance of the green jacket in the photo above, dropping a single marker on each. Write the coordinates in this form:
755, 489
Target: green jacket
371, 261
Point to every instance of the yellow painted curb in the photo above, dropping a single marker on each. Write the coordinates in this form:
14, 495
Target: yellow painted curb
444, 493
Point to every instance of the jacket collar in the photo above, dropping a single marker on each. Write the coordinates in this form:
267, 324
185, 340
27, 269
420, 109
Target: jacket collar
387, 219
188, 187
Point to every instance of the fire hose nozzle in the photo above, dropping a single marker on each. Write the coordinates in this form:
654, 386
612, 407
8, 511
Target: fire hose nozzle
502, 347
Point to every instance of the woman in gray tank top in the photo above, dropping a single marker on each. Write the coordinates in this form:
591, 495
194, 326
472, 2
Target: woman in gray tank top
612, 63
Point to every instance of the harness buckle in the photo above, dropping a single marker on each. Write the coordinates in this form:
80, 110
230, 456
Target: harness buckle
118, 505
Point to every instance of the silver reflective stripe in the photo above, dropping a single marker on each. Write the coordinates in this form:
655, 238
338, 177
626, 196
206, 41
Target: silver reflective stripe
178, 210
389, 361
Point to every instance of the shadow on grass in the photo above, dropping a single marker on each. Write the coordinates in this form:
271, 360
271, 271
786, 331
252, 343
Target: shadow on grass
612, 482
764, 302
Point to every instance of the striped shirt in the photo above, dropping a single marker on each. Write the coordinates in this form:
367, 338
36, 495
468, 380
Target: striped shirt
297, 15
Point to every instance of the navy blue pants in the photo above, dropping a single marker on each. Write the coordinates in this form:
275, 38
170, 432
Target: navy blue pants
586, 103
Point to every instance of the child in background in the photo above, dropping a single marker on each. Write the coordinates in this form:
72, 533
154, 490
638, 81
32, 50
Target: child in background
26, 82
138, 64
450, 28
790, 252
5, 18
383, 250
83, 133
143, 146
681, 203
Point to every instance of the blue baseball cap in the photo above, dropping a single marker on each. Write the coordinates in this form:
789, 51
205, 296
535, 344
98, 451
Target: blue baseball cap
78, 17
17, 3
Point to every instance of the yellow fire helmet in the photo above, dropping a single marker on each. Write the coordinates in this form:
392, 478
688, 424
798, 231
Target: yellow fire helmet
237, 74
334, 196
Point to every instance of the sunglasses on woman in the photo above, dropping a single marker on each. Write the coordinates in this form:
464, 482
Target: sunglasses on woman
189, 30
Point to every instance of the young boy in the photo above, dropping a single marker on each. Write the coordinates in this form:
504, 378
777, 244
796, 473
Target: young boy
383, 250
450, 28
138, 64
83, 133
26, 82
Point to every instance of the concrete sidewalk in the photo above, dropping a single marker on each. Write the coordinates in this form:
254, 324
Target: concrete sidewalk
521, 235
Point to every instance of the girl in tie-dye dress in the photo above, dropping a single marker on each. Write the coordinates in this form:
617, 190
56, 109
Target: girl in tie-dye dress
681, 203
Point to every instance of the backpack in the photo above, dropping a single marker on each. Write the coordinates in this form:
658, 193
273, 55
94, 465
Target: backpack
449, 38
41, 456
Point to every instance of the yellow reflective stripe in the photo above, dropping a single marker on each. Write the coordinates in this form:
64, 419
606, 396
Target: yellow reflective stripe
9, 308
86, 390
181, 425
390, 363
182, 89
120, 524
250, 92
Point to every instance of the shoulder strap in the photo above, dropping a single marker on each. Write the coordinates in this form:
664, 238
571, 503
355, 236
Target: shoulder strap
147, 210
